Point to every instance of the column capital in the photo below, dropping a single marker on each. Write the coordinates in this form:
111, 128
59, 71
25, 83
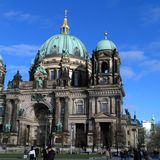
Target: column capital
16, 101
8, 101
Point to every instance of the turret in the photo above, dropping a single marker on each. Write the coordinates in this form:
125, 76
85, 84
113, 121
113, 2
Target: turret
105, 63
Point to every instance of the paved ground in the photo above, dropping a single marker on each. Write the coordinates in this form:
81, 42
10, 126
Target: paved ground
100, 158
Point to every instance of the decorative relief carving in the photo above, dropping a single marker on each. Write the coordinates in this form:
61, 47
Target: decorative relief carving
104, 92
38, 97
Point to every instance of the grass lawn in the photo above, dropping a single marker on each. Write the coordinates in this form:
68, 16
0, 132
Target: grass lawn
63, 156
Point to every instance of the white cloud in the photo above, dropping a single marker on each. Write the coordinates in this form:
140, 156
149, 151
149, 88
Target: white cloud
20, 16
151, 65
43, 22
127, 72
154, 45
14, 68
152, 14
132, 56
19, 50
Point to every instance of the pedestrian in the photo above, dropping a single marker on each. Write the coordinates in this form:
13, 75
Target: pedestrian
107, 154
51, 153
37, 152
44, 153
110, 153
137, 155
32, 154
25, 153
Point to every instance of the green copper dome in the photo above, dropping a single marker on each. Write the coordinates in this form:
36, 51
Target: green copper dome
105, 44
63, 44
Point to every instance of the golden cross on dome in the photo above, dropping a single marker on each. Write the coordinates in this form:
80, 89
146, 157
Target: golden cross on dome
65, 12
105, 35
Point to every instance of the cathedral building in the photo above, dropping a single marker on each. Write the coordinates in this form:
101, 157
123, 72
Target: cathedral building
71, 99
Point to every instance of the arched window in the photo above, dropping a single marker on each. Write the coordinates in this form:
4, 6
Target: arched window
105, 67
76, 51
76, 78
53, 74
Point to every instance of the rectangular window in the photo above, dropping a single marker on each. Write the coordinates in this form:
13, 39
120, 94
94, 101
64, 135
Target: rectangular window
52, 75
104, 107
79, 109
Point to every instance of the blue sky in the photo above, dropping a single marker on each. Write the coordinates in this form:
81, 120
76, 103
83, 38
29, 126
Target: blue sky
134, 26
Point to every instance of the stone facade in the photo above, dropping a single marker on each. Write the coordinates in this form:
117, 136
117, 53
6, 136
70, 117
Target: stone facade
69, 100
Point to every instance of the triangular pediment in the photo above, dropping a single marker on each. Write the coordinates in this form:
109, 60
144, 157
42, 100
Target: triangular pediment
103, 115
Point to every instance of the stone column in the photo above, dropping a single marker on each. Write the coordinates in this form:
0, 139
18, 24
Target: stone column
97, 133
90, 107
50, 123
67, 103
110, 65
14, 118
113, 130
50, 128
113, 105
100, 66
49, 75
18, 129
118, 105
57, 111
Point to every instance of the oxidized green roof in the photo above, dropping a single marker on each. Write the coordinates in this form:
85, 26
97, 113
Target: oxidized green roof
63, 44
105, 44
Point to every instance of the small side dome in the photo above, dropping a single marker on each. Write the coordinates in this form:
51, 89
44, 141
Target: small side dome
105, 44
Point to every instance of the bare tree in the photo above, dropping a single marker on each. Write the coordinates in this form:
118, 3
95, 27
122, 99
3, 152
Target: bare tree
154, 142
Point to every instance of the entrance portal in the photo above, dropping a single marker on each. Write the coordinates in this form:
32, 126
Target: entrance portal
106, 138
81, 139
42, 131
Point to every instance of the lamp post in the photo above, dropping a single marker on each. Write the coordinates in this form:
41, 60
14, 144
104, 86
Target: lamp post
71, 137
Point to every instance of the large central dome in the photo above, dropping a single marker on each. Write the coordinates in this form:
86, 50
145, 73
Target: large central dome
62, 44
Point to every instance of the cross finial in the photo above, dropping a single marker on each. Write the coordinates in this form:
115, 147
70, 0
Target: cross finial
65, 13
105, 35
